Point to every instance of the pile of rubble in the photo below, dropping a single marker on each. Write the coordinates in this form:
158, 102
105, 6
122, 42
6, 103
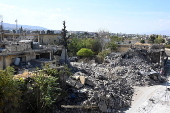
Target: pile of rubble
108, 94
135, 66
109, 85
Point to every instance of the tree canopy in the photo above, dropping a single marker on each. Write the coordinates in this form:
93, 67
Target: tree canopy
142, 41
159, 40
156, 39
76, 44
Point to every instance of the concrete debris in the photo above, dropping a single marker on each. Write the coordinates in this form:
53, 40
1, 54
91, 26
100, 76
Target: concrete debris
82, 79
109, 85
71, 82
89, 82
78, 85
74, 83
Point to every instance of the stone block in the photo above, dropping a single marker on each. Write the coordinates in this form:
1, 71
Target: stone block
89, 82
82, 79
102, 106
71, 82
76, 77
78, 85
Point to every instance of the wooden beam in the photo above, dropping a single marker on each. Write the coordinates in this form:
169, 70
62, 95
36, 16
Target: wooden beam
80, 106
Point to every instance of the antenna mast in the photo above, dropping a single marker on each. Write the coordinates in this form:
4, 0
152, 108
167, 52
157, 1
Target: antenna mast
16, 25
1, 27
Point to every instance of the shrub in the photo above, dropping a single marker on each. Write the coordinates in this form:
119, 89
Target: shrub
100, 57
112, 45
9, 92
84, 52
159, 40
142, 41
167, 46
40, 92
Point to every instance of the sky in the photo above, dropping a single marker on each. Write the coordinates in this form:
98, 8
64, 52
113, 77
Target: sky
117, 16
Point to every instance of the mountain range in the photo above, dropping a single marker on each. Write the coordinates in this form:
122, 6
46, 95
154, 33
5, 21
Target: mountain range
8, 26
161, 32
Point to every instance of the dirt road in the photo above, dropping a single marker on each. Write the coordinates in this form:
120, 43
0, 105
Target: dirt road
143, 94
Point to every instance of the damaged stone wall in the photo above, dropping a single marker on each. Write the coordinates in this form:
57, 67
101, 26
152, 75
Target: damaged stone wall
156, 52
18, 47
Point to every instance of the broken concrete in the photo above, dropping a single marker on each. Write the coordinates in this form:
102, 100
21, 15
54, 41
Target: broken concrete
71, 82
110, 85
82, 79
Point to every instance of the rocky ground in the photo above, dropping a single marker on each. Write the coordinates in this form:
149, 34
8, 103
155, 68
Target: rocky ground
109, 86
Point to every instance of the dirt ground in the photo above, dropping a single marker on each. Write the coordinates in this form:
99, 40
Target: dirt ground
151, 99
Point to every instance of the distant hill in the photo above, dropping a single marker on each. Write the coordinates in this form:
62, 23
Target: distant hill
163, 32
8, 26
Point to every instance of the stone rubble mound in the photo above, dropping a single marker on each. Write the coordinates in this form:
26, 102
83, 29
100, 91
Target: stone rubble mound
109, 85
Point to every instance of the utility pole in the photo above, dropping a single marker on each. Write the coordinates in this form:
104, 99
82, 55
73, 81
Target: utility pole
1, 27
16, 25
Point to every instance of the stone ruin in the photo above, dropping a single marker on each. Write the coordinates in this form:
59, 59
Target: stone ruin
109, 86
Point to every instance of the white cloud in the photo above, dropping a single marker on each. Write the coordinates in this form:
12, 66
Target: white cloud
49, 18
163, 22
68, 8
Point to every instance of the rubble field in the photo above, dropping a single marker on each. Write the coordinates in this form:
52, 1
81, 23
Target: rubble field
109, 86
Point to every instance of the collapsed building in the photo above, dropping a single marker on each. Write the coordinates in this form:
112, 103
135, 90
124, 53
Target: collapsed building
29, 50
155, 53
108, 87
28, 54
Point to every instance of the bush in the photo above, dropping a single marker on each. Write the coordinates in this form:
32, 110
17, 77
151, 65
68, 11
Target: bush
112, 45
35, 94
167, 46
10, 95
41, 91
84, 52
100, 57
76, 44
159, 40
142, 41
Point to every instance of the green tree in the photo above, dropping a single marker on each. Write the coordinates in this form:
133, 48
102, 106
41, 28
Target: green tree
103, 36
85, 52
159, 40
10, 95
96, 46
74, 45
101, 55
112, 45
77, 43
116, 39
86, 34
167, 46
152, 38
142, 41
41, 91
